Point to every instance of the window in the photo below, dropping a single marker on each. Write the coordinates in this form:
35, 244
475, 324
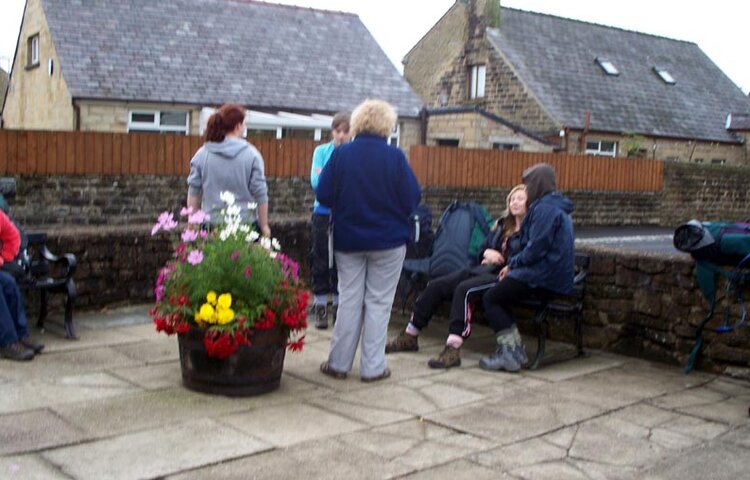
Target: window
504, 146
477, 81
601, 148
159, 122
608, 67
395, 135
32, 48
718, 161
665, 76
447, 142
698, 160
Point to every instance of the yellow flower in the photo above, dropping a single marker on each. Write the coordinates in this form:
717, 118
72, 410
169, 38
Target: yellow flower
207, 313
225, 315
225, 300
211, 297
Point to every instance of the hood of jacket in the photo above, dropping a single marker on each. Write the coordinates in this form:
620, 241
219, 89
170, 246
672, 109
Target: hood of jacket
229, 148
539, 180
560, 201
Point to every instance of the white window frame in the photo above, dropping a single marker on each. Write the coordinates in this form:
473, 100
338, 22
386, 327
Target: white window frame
395, 137
33, 45
477, 80
665, 76
156, 125
598, 151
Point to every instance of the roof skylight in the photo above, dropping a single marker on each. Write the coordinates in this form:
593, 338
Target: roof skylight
665, 76
608, 67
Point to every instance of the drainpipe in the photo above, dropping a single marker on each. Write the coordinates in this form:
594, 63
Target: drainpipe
423, 126
76, 116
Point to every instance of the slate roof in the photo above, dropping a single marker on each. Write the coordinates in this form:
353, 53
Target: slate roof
208, 52
739, 121
555, 58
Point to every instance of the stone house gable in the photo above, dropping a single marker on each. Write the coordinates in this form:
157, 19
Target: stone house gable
665, 98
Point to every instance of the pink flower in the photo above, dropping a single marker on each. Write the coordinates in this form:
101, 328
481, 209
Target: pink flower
248, 271
198, 217
204, 233
189, 235
195, 257
186, 211
234, 255
165, 221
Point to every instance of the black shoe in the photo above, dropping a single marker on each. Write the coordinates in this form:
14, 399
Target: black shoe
36, 347
334, 314
16, 351
321, 319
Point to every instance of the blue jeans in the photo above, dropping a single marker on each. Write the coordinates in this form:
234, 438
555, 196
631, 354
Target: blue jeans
13, 325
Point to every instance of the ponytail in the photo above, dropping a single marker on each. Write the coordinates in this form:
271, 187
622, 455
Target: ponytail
223, 121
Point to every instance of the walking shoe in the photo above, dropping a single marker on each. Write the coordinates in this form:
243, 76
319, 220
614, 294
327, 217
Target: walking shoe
36, 347
386, 373
403, 343
449, 357
501, 359
16, 351
321, 320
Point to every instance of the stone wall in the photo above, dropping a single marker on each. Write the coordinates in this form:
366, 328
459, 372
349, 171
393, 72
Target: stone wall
638, 304
648, 305
706, 192
474, 130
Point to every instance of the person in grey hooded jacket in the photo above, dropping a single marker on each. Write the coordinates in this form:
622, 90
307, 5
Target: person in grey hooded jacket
546, 261
227, 162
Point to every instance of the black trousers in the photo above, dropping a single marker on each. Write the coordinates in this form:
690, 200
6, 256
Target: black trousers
324, 279
457, 287
498, 302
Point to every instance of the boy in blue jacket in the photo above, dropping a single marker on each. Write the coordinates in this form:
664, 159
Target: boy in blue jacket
546, 261
324, 278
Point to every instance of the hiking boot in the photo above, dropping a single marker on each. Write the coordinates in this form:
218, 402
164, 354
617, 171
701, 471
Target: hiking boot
403, 343
35, 347
519, 353
449, 357
16, 351
321, 318
501, 359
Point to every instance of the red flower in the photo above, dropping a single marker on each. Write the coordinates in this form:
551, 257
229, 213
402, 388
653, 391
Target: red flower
182, 327
220, 346
296, 346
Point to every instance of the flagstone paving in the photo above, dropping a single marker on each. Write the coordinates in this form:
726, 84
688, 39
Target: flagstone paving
111, 405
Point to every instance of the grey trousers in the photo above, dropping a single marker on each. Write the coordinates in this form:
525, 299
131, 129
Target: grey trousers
367, 285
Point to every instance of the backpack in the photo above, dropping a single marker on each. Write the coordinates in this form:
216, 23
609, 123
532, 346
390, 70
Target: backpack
421, 245
460, 233
721, 243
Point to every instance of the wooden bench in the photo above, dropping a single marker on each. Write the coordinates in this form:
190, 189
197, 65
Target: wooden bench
48, 274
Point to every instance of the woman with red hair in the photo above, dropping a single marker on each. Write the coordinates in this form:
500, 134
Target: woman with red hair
227, 162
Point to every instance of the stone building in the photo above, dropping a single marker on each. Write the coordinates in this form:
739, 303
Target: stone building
160, 66
581, 87
3, 89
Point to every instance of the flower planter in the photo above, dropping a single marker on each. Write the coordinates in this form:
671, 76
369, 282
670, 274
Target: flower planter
251, 370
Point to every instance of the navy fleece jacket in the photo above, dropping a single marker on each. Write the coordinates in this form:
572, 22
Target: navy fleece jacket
372, 192
547, 257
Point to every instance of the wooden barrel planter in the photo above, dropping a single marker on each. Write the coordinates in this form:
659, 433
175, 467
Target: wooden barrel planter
251, 370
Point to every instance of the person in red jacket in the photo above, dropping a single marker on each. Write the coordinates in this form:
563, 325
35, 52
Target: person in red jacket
15, 343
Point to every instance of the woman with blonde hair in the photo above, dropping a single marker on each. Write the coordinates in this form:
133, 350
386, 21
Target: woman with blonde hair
502, 243
371, 191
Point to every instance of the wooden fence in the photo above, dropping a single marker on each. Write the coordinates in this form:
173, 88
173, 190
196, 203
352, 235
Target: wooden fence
79, 153
458, 167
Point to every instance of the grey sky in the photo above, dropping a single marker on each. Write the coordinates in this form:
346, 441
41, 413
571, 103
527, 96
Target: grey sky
719, 27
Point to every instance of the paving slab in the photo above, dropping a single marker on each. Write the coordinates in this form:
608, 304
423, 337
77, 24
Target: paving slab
23, 467
157, 350
157, 452
68, 363
152, 376
47, 392
35, 430
285, 425
323, 458
458, 469
717, 461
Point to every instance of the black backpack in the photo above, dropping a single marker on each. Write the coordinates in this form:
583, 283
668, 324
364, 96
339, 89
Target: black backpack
421, 245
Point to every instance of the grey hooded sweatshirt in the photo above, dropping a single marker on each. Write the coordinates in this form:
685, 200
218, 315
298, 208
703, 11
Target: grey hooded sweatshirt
231, 165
